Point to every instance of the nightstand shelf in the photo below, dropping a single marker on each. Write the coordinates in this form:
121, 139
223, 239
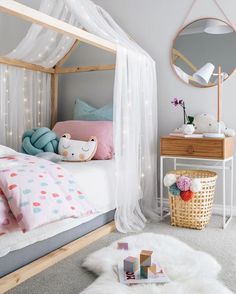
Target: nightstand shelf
200, 153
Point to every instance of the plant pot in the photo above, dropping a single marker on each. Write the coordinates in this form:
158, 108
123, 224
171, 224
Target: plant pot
188, 129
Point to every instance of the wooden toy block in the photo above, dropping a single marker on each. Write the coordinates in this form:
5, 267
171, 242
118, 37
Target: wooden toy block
123, 245
152, 271
131, 264
146, 258
143, 272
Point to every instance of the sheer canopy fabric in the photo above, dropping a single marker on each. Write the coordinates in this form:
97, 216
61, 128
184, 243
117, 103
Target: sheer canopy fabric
135, 119
25, 95
135, 103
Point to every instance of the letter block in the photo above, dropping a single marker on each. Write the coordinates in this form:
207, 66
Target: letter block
131, 264
146, 258
123, 245
143, 272
152, 270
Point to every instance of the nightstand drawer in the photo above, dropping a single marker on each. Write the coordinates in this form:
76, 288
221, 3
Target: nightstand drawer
197, 147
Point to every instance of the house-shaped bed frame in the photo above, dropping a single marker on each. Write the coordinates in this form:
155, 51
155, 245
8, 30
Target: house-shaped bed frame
18, 10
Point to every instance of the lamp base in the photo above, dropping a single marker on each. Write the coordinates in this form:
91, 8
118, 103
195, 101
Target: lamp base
213, 135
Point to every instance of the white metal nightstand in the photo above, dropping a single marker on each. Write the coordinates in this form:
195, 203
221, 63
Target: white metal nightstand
224, 164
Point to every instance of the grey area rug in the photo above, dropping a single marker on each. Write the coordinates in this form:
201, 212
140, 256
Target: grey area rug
68, 277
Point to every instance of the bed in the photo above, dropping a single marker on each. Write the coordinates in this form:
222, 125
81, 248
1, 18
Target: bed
96, 180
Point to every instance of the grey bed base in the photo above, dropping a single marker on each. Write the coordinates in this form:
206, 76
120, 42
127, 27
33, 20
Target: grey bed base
19, 258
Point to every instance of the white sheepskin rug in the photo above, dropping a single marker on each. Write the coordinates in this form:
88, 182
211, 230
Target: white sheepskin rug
190, 271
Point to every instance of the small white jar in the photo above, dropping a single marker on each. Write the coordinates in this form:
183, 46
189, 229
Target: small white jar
188, 129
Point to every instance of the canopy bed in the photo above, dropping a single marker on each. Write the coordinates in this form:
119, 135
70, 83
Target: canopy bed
36, 63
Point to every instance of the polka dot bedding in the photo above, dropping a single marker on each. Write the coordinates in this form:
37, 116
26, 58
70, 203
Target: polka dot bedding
34, 192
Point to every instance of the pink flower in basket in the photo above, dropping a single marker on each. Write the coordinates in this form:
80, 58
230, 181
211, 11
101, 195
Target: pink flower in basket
184, 183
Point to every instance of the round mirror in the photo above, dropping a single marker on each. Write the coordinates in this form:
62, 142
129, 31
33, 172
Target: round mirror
204, 51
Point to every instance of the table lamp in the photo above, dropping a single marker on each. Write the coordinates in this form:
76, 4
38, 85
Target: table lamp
202, 76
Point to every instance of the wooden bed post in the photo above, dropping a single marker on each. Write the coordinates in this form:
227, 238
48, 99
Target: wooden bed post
54, 98
54, 84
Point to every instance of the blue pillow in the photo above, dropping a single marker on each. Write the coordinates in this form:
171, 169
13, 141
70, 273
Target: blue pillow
84, 111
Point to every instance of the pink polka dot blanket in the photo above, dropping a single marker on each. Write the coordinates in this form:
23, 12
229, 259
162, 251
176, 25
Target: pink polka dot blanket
34, 192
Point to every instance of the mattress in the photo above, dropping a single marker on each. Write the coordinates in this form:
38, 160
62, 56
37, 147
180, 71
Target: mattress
96, 180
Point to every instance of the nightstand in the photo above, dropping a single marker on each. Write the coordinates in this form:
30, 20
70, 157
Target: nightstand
200, 153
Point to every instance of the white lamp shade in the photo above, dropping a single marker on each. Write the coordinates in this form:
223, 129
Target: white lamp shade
217, 27
203, 75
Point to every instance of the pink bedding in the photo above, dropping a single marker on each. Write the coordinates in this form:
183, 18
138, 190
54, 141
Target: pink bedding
35, 192
7, 219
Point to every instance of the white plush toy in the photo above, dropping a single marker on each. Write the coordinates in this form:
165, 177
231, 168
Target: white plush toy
206, 123
73, 150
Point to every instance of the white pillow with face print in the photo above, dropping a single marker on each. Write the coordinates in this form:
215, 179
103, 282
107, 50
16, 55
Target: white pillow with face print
73, 150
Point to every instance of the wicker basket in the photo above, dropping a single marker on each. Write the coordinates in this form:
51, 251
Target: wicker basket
195, 213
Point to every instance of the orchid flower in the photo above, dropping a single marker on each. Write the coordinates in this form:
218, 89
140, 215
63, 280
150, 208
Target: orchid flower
180, 102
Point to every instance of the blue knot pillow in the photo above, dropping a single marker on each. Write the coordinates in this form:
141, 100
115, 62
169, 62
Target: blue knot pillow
84, 111
39, 140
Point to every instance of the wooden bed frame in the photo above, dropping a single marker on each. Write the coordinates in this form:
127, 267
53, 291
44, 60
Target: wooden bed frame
19, 276
16, 9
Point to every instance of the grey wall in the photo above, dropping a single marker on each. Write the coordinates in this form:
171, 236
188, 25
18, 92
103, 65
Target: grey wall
153, 24
94, 87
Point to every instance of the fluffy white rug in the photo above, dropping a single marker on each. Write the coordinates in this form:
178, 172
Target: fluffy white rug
190, 271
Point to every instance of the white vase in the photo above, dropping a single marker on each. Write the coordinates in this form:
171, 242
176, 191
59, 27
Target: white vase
188, 129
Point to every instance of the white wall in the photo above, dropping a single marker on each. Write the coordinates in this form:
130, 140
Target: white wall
153, 24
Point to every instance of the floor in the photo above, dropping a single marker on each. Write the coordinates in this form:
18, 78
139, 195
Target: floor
67, 277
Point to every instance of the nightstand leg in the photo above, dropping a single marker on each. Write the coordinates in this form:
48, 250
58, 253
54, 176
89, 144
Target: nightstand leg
174, 163
226, 219
224, 202
232, 187
161, 186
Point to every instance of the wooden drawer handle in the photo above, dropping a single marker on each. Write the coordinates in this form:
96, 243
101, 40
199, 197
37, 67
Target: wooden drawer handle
190, 149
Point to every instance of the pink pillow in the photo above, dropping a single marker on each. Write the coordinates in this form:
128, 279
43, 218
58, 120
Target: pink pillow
83, 130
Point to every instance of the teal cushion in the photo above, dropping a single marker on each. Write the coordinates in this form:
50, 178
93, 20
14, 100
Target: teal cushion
84, 111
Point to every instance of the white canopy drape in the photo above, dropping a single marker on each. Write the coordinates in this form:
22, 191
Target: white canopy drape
135, 118
135, 103
25, 95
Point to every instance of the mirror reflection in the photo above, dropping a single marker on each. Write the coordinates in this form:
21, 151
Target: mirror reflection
201, 48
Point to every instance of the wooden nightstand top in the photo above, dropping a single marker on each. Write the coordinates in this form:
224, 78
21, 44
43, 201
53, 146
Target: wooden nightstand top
212, 148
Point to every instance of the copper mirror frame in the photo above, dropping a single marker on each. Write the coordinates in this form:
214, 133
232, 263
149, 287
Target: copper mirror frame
181, 60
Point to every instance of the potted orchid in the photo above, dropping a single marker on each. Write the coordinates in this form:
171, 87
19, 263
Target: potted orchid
188, 127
